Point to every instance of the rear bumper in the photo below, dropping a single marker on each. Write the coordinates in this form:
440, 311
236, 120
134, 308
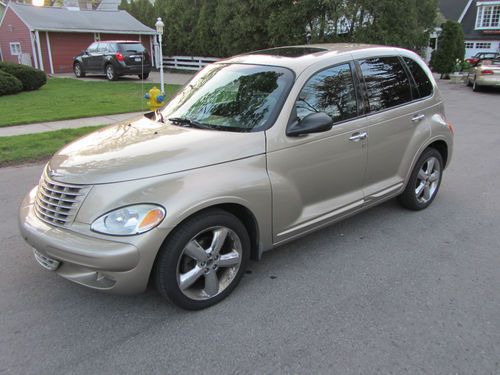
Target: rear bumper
107, 265
493, 81
133, 69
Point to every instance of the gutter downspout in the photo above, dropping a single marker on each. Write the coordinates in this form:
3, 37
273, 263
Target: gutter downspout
39, 48
35, 60
50, 52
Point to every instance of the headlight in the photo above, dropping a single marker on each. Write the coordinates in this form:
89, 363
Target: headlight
129, 220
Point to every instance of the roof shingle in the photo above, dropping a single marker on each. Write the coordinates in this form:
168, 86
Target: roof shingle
61, 19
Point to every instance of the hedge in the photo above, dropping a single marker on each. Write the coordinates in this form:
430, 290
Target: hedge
9, 84
31, 79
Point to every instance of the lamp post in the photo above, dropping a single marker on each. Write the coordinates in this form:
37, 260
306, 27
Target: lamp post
159, 29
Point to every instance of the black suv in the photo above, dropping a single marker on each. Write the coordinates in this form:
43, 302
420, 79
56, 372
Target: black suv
113, 58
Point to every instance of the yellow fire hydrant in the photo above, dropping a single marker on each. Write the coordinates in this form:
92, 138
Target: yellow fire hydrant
156, 99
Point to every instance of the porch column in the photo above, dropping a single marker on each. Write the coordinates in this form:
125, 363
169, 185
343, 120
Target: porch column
49, 52
39, 48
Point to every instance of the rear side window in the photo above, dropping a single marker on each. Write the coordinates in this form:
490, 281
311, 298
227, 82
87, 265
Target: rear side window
330, 91
424, 85
386, 82
103, 47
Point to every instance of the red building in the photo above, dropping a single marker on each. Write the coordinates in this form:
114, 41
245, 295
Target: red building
48, 37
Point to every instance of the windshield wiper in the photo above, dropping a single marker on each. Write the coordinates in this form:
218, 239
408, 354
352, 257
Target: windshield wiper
186, 121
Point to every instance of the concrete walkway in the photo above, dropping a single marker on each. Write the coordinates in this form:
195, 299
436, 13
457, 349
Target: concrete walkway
65, 124
154, 77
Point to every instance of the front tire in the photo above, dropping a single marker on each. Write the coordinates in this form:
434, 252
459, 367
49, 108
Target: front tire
78, 70
111, 73
203, 260
424, 181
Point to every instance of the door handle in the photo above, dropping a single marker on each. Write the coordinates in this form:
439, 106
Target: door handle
418, 118
356, 137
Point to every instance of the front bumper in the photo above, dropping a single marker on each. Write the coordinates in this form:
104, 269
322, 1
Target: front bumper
103, 264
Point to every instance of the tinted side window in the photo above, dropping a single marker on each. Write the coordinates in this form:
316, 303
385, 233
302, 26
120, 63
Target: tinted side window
423, 82
386, 82
93, 47
330, 91
103, 47
112, 47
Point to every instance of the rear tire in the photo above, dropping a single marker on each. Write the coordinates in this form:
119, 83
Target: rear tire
424, 181
111, 73
475, 86
469, 83
78, 70
144, 76
202, 260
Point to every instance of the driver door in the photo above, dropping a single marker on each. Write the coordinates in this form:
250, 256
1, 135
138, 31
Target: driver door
318, 178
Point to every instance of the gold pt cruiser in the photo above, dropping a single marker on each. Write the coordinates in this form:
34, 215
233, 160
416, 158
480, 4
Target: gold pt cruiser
255, 151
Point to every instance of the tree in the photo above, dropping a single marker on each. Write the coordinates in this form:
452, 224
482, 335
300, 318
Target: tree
450, 48
143, 10
226, 27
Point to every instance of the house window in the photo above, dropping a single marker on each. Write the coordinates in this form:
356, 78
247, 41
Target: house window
488, 17
15, 49
469, 45
483, 45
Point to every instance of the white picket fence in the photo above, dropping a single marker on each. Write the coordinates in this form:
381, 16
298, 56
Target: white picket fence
187, 62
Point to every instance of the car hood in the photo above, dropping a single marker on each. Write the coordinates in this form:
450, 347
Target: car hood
145, 148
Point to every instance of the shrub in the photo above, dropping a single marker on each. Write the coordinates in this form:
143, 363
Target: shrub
450, 48
32, 79
9, 84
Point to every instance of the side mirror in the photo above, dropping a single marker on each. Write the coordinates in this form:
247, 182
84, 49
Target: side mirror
313, 123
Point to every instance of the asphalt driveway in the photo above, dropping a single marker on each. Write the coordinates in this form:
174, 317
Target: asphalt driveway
388, 291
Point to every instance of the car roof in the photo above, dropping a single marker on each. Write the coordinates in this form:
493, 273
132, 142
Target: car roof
300, 57
119, 41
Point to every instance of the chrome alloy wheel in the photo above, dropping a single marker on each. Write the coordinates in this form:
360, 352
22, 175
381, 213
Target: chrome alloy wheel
110, 73
428, 180
78, 70
209, 263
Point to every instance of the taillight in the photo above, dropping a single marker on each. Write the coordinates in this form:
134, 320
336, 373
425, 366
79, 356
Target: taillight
119, 56
487, 72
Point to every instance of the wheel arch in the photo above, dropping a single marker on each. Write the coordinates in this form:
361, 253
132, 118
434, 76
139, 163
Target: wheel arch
442, 147
439, 144
242, 212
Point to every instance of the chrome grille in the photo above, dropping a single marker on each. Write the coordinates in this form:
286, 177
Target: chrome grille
57, 203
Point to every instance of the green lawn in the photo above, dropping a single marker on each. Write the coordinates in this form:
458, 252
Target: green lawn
33, 147
67, 98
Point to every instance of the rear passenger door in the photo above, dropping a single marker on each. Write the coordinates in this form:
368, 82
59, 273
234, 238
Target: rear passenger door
398, 123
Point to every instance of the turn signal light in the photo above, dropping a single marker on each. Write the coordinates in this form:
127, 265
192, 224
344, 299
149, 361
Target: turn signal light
451, 128
119, 56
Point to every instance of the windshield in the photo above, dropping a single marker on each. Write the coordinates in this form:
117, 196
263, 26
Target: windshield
232, 97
